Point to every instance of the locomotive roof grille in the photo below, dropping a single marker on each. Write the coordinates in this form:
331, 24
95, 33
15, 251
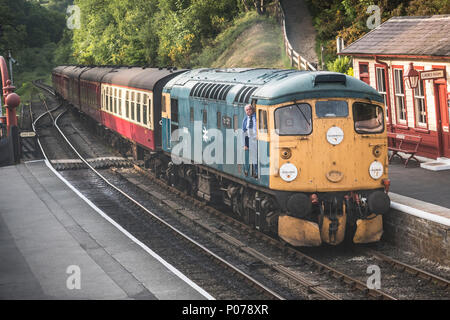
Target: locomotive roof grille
208, 91
243, 96
194, 88
216, 91
330, 78
225, 92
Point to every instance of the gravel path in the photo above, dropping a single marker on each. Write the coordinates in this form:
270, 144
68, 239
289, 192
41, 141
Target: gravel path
299, 29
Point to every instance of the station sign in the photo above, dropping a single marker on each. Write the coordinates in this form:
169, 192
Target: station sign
432, 74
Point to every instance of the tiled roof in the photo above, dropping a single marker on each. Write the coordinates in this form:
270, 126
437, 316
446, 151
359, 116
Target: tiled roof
428, 35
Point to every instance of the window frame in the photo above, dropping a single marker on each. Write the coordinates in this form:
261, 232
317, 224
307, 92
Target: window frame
331, 99
365, 75
386, 94
298, 134
398, 121
263, 119
417, 124
354, 122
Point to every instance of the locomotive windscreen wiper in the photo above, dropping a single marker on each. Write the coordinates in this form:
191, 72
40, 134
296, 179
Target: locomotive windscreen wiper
303, 114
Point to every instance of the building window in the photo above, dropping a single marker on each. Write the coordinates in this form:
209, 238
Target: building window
399, 91
381, 86
364, 72
419, 104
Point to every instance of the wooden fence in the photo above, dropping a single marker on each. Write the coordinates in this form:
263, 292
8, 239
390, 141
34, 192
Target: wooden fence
296, 59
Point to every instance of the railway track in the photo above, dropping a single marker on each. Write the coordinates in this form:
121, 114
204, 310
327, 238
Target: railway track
398, 268
207, 255
292, 268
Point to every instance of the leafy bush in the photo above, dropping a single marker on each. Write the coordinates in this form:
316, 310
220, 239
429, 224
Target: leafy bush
342, 65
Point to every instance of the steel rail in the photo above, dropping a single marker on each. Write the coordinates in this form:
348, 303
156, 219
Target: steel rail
355, 283
242, 274
410, 269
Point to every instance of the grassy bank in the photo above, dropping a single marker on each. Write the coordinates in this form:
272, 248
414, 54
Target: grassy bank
252, 41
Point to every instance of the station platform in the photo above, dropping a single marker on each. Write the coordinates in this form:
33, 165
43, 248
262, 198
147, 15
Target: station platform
421, 189
54, 245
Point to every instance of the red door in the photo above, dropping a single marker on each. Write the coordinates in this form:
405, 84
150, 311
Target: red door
443, 110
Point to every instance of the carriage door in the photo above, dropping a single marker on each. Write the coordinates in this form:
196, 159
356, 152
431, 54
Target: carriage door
173, 121
263, 144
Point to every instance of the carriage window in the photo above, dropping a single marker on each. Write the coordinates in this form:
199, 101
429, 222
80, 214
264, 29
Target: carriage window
293, 120
103, 97
144, 108
331, 109
191, 114
132, 105
110, 99
368, 118
120, 101
138, 107
115, 100
150, 112
205, 116
127, 104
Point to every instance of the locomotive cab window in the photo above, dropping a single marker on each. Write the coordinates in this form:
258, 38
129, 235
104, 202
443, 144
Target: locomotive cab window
262, 116
368, 118
331, 109
293, 120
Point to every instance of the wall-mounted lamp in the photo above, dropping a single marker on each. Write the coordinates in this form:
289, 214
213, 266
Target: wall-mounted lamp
412, 77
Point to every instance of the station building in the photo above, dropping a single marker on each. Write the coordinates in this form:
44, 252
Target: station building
382, 59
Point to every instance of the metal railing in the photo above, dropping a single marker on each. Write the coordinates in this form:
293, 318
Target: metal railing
296, 59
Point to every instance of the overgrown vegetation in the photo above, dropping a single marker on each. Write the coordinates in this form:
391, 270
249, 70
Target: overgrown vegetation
342, 65
33, 33
153, 32
348, 18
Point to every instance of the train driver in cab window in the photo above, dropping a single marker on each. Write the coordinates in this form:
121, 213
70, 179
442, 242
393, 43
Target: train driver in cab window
250, 141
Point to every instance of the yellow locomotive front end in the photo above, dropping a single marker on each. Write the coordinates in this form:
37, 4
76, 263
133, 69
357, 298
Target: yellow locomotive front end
329, 163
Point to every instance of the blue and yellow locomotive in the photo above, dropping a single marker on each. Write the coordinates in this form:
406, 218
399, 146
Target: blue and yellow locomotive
321, 169
316, 170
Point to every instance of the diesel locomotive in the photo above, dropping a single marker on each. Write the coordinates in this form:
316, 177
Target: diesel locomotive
319, 173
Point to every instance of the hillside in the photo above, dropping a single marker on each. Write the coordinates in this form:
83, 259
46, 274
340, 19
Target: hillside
260, 45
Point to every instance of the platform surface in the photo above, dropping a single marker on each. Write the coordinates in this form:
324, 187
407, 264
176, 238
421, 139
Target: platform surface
50, 238
421, 184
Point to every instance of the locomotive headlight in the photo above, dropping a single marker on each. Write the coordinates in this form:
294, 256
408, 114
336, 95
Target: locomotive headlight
376, 151
286, 153
376, 170
288, 172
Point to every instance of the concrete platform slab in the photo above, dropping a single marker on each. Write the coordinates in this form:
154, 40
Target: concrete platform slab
46, 229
